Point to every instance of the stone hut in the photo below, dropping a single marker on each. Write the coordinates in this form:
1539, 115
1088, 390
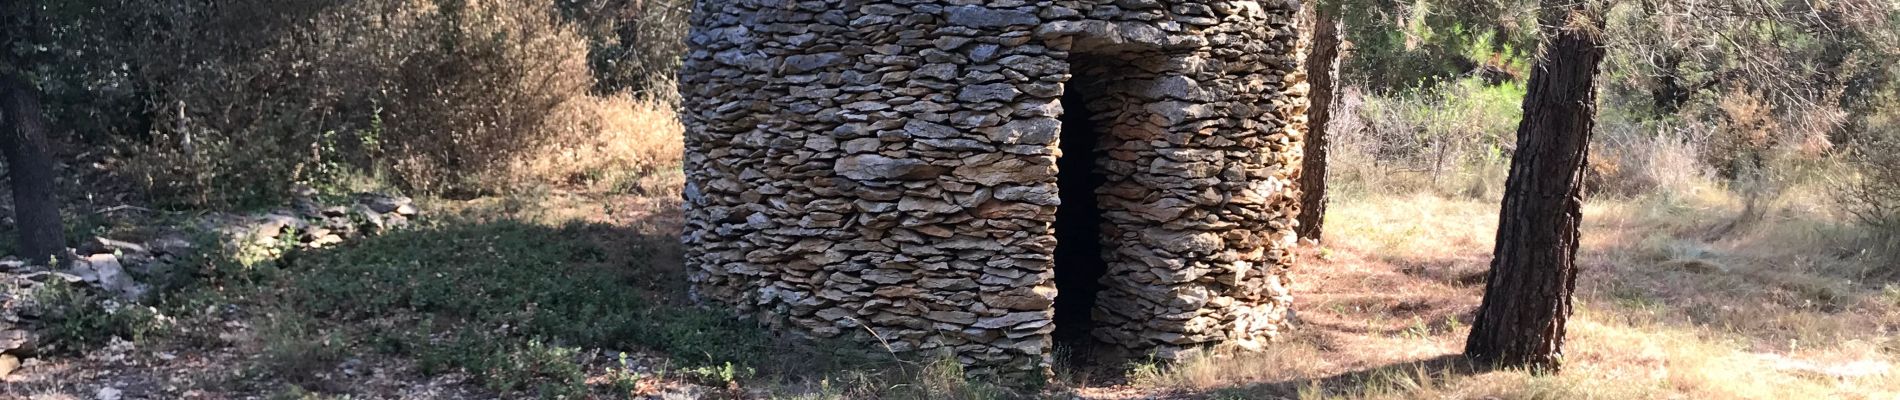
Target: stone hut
990, 178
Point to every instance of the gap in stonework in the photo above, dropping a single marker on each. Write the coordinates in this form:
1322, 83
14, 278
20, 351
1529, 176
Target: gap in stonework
1079, 258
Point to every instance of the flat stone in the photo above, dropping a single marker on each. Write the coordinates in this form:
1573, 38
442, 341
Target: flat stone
1164, 210
1040, 131
957, 144
1028, 298
984, 52
1176, 112
1177, 87
1010, 210
1138, 4
927, 205
326, 241
383, 203
874, 167
47, 276
835, 314
113, 279
947, 283
864, 145
887, 277
1010, 320
1015, 170
954, 317
942, 72
925, 129
99, 245
984, 17
1033, 194
1185, 169
948, 43
269, 226
1144, 33
1027, 345
802, 63
1190, 242
989, 92
821, 143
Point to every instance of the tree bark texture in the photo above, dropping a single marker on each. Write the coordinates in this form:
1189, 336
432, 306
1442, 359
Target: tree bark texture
1533, 270
1322, 66
29, 161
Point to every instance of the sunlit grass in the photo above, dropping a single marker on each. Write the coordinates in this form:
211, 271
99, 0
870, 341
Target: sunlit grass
1785, 313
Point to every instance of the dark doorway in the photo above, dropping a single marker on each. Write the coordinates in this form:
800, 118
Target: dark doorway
1078, 257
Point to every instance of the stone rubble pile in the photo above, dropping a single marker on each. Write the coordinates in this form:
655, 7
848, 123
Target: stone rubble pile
886, 169
122, 271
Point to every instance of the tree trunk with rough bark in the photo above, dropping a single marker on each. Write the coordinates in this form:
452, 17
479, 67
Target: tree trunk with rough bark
29, 161
1322, 66
1533, 271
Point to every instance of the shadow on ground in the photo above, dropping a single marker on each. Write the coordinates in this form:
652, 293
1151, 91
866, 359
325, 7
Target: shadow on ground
508, 300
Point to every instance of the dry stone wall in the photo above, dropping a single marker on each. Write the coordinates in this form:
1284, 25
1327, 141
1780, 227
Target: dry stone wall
886, 169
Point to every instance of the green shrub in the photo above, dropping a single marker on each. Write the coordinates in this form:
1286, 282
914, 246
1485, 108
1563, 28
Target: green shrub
1873, 197
1453, 138
1400, 45
230, 103
295, 348
439, 95
508, 365
75, 319
631, 41
515, 301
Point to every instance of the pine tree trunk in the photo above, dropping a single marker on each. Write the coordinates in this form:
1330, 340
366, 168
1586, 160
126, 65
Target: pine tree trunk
1322, 66
1527, 294
30, 169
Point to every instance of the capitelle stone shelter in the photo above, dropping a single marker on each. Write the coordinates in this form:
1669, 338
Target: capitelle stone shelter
988, 179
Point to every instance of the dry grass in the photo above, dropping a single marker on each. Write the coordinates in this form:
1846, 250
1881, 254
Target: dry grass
1628, 160
1783, 309
621, 143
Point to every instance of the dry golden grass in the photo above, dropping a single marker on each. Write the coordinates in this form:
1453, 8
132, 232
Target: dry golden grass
1783, 307
620, 143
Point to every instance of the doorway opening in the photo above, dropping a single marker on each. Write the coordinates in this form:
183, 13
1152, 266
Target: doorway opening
1079, 258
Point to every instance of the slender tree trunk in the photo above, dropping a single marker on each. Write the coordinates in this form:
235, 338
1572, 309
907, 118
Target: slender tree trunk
1322, 66
1533, 271
30, 168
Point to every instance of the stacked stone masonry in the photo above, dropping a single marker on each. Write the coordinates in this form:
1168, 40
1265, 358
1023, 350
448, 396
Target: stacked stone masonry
886, 170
